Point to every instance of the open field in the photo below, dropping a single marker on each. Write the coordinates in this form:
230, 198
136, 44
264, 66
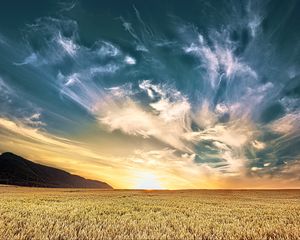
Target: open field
27, 213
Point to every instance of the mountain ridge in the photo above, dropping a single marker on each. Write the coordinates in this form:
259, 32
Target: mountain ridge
16, 170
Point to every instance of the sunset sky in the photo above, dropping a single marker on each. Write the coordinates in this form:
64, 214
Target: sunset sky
154, 94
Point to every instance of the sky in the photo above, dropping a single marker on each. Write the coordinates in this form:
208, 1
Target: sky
154, 94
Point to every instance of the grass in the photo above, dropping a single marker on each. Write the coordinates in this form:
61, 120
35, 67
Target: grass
27, 213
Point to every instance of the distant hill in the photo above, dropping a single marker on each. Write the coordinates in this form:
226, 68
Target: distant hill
16, 170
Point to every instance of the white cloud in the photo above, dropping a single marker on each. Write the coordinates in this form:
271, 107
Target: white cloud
208, 56
258, 145
129, 60
169, 118
172, 111
218, 59
82, 91
129, 118
287, 124
107, 49
104, 69
67, 44
141, 48
229, 141
4, 88
254, 24
151, 89
132, 119
255, 169
22, 129
233, 134
204, 117
34, 120
121, 91
72, 79
165, 119
221, 108
31, 59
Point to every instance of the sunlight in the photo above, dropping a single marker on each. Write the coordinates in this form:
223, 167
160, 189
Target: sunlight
146, 180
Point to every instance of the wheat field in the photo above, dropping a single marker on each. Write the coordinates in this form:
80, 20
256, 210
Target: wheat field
33, 213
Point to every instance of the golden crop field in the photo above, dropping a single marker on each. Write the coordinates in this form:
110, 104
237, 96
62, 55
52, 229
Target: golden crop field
27, 213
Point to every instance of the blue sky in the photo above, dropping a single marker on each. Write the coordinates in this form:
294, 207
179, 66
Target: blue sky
159, 94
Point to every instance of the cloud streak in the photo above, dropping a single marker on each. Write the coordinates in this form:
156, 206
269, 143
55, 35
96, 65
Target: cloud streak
206, 103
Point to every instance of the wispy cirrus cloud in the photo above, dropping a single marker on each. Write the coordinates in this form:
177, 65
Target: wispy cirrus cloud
200, 106
165, 119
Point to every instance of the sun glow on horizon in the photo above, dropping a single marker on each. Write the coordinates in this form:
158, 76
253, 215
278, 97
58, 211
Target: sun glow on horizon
147, 180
